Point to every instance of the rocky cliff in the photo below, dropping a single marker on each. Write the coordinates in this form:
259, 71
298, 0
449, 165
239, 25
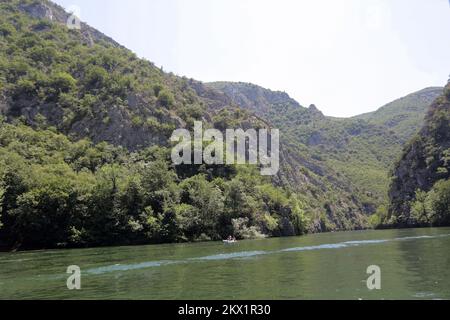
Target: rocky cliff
425, 160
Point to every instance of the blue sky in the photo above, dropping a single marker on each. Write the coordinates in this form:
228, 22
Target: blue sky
346, 56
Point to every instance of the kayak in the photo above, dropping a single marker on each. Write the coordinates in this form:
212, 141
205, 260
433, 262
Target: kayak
229, 241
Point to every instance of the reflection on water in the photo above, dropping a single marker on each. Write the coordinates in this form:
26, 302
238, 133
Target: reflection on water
414, 265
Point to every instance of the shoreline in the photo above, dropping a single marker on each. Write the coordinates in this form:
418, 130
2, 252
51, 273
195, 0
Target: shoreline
3, 250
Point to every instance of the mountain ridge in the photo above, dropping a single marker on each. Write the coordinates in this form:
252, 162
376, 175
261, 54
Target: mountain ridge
318, 133
116, 112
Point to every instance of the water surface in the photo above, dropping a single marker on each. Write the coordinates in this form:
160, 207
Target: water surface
414, 265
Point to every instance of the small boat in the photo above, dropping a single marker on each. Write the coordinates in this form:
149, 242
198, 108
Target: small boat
229, 241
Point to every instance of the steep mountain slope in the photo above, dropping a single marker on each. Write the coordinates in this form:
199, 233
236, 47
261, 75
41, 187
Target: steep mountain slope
406, 115
425, 168
57, 83
356, 152
336, 199
98, 113
86, 85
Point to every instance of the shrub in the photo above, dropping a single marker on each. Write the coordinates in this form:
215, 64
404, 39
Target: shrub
17, 68
433, 207
243, 231
447, 91
157, 89
42, 25
45, 54
137, 121
62, 82
166, 99
68, 100
6, 29
439, 199
24, 87
95, 77
153, 123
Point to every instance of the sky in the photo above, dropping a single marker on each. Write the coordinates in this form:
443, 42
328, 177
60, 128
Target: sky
347, 57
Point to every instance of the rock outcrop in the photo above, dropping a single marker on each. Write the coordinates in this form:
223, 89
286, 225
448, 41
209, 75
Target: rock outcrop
426, 159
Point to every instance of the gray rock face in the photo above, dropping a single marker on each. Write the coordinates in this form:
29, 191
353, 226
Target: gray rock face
38, 10
424, 160
253, 97
119, 130
411, 174
53, 12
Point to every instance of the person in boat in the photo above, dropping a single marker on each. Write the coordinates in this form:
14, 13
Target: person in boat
231, 239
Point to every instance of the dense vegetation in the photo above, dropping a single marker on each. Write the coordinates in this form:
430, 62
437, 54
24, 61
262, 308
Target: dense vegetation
404, 116
85, 84
356, 153
77, 105
420, 190
62, 193
84, 151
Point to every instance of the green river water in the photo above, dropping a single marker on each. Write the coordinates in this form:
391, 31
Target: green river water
415, 264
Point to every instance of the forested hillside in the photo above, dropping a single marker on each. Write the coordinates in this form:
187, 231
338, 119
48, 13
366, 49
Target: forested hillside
404, 116
357, 152
84, 146
420, 190
61, 193
85, 151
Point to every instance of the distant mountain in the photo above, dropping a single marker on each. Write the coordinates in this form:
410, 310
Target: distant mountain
83, 84
406, 115
84, 145
420, 190
357, 152
85, 156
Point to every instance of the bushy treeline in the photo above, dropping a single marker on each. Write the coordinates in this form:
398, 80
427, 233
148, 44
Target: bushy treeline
420, 190
58, 193
432, 208
351, 155
86, 85
427, 209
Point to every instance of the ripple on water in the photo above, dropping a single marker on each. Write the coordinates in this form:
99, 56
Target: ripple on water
226, 256
128, 267
248, 254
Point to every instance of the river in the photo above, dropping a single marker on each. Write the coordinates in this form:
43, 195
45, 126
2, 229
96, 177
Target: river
414, 264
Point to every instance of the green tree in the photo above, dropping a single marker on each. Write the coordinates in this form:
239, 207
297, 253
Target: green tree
421, 210
45, 212
95, 77
298, 216
189, 221
107, 219
379, 217
158, 183
439, 198
208, 201
433, 207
